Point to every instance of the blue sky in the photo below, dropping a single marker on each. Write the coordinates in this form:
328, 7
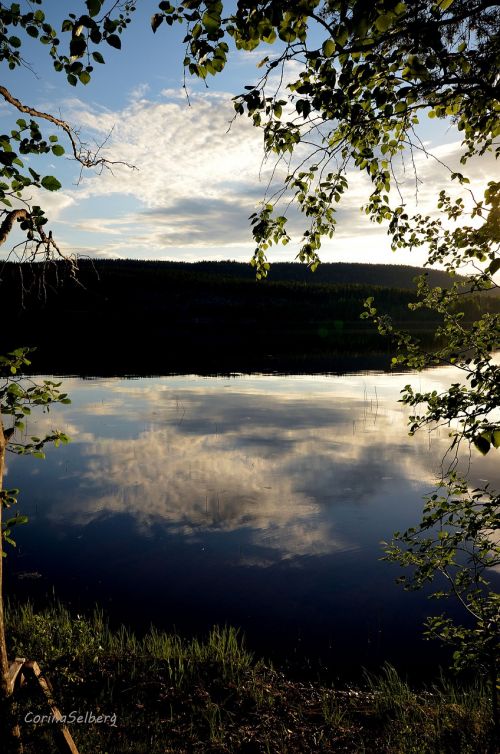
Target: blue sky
196, 183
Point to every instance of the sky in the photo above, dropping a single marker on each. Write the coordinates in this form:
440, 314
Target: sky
196, 178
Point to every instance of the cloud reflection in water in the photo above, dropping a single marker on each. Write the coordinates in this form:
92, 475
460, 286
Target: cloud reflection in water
275, 456
259, 501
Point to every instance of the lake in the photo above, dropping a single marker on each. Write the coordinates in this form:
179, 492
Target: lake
258, 501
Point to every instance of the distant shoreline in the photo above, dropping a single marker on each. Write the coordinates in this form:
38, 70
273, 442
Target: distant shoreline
132, 317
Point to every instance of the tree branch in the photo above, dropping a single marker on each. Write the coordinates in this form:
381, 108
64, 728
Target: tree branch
84, 157
45, 241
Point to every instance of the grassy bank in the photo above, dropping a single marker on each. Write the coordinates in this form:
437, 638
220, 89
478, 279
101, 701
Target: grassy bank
171, 695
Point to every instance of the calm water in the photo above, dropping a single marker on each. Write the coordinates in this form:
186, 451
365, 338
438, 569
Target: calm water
258, 501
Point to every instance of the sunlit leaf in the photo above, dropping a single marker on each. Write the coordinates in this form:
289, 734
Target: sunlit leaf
50, 183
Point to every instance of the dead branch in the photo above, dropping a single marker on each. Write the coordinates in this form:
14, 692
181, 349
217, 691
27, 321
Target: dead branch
43, 244
84, 157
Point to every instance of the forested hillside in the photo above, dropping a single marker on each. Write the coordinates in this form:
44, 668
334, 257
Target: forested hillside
385, 275
123, 316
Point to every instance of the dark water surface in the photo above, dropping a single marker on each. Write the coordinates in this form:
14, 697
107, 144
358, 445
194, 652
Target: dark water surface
258, 501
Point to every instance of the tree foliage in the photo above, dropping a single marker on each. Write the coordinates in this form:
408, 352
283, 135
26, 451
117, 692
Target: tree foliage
367, 73
19, 23
18, 397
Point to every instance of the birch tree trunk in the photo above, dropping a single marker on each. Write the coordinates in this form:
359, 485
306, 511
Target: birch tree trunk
4, 665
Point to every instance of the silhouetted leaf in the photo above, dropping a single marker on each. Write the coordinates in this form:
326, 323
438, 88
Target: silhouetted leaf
114, 40
156, 21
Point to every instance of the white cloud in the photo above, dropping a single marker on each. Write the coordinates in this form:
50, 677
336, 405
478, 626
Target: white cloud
140, 91
179, 151
197, 182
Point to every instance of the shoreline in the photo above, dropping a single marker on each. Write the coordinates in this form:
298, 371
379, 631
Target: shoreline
175, 695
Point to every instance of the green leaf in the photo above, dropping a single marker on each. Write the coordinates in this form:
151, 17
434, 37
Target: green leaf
445, 4
58, 150
84, 77
384, 22
98, 57
210, 21
495, 438
50, 183
342, 36
328, 48
17, 520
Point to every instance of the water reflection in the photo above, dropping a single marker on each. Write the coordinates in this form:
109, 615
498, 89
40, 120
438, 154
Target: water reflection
191, 487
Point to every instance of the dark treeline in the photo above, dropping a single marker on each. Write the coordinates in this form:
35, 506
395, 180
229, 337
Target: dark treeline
134, 317
384, 275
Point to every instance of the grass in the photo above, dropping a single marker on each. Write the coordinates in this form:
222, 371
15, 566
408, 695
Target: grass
443, 717
175, 696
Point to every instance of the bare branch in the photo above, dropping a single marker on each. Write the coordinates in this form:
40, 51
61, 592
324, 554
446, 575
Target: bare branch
84, 156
